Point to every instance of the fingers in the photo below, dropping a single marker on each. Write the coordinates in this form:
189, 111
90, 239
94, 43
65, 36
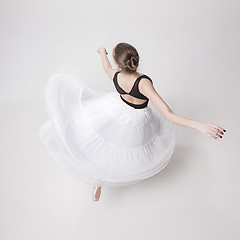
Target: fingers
217, 127
102, 49
218, 132
211, 135
214, 133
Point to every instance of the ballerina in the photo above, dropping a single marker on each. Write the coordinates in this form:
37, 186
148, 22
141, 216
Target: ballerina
112, 138
147, 89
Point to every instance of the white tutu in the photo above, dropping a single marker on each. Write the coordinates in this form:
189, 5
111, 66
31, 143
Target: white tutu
100, 139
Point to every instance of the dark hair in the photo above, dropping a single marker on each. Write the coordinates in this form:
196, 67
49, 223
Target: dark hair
126, 56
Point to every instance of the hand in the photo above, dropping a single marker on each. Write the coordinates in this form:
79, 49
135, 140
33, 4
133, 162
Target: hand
211, 130
102, 50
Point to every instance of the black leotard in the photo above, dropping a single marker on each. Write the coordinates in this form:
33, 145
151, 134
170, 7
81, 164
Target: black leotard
134, 91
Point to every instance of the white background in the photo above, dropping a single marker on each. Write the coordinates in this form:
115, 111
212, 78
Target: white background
191, 50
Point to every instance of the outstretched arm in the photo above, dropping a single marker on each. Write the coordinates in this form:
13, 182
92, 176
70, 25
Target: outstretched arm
212, 130
106, 64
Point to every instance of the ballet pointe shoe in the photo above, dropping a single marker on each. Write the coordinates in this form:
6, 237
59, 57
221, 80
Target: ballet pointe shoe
96, 193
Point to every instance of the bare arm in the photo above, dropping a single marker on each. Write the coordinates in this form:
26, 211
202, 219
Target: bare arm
106, 64
146, 88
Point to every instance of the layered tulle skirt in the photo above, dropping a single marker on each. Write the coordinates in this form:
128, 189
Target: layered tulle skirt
98, 138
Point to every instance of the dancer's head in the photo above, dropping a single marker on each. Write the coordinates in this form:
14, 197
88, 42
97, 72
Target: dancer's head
126, 57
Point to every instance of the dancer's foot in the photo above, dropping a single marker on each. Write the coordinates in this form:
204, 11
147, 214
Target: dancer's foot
96, 193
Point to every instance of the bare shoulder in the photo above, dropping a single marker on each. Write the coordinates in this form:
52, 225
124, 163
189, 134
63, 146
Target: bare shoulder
146, 87
111, 72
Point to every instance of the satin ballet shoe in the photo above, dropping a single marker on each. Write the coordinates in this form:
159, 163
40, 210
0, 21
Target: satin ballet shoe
96, 193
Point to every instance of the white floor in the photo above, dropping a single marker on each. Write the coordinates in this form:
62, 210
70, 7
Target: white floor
191, 49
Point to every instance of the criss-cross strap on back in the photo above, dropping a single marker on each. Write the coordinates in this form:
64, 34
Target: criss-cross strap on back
135, 90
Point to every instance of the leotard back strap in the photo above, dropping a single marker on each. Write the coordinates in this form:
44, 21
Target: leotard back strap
134, 91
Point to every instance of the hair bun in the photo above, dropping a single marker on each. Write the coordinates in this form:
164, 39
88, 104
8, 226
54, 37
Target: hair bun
132, 63
133, 58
